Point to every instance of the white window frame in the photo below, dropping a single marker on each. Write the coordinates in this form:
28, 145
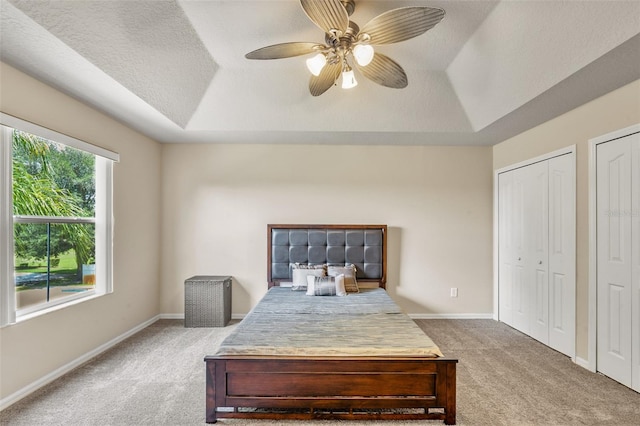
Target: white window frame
103, 220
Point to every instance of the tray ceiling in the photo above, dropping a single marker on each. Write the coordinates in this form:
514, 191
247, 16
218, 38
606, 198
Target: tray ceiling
175, 70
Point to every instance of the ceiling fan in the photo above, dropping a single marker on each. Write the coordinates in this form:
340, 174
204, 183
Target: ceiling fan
346, 42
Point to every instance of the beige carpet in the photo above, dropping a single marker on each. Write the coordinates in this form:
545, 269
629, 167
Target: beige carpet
157, 378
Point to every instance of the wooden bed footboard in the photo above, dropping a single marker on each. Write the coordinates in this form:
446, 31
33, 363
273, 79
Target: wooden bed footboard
331, 388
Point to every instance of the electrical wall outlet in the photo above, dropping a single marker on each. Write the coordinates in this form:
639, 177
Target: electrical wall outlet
454, 292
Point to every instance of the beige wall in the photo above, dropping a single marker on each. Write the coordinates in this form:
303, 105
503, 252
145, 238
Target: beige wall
616, 110
436, 201
203, 209
34, 348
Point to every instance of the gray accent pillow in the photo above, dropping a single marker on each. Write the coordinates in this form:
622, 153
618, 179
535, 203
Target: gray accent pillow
299, 275
349, 272
325, 286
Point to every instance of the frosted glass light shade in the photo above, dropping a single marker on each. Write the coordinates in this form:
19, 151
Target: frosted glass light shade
348, 79
316, 63
363, 54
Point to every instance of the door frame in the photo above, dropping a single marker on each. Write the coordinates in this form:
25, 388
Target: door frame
571, 149
592, 363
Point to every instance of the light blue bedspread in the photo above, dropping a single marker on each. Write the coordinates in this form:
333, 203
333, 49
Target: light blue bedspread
284, 301
290, 323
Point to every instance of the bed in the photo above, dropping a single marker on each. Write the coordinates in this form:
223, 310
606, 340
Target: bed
296, 356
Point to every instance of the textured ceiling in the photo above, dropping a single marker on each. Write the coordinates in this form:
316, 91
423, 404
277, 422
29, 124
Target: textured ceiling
175, 70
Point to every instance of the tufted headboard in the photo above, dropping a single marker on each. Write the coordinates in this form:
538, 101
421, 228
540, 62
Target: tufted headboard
363, 245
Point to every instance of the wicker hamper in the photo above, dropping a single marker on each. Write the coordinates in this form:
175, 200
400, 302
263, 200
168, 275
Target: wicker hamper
207, 301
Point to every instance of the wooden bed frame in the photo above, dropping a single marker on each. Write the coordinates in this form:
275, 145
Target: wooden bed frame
297, 388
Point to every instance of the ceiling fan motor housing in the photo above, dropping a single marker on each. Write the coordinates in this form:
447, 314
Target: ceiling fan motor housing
349, 37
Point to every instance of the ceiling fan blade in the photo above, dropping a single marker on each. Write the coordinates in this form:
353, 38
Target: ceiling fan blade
384, 71
327, 14
284, 50
401, 24
328, 76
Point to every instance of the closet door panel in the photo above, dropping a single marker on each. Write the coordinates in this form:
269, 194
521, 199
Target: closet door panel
537, 242
562, 289
505, 249
521, 290
635, 253
614, 260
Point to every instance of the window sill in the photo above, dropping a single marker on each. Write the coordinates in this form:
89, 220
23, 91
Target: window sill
62, 305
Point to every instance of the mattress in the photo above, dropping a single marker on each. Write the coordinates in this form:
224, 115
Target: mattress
290, 323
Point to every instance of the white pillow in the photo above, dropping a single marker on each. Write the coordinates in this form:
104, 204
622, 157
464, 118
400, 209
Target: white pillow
325, 286
340, 290
299, 275
349, 271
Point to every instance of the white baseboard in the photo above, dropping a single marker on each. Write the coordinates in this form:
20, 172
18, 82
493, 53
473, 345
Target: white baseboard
172, 316
451, 316
16, 396
181, 316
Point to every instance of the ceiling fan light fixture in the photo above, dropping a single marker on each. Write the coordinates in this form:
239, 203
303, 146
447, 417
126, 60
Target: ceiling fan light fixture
316, 63
348, 78
363, 53
346, 41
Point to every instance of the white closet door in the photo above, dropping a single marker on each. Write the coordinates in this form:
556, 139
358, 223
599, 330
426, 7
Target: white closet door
505, 247
521, 289
614, 292
537, 253
551, 259
562, 247
536, 226
635, 250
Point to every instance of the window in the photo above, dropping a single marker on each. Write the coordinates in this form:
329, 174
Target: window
56, 226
